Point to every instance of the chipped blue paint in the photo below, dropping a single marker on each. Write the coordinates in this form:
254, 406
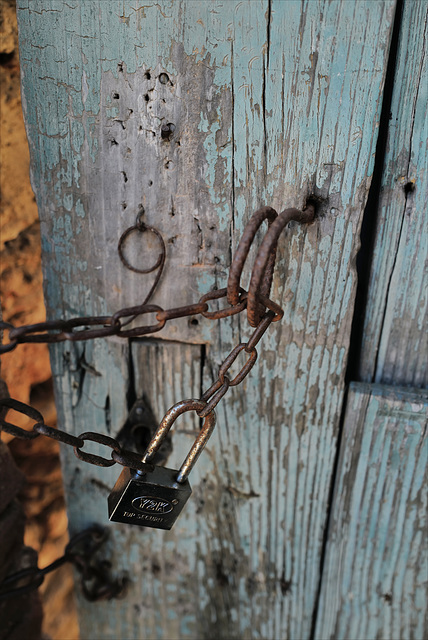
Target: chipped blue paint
394, 340
373, 574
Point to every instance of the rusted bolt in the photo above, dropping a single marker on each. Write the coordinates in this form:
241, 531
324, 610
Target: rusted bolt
167, 130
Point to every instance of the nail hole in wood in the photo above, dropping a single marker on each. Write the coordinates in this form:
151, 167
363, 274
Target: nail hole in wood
313, 201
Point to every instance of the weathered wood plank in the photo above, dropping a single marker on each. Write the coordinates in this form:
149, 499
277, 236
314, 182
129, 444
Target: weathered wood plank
273, 102
394, 341
374, 581
277, 481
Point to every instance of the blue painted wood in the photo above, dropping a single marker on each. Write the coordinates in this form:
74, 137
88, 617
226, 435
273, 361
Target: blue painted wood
273, 102
394, 342
374, 580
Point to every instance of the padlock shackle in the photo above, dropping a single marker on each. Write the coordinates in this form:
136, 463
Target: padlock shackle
200, 442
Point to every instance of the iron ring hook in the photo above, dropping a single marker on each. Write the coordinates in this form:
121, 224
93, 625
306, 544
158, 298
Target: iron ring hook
141, 227
233, 283
262, 261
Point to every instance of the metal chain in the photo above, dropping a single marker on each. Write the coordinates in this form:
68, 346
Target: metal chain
220, 387
53, 331
95, 578
96, 582
210, 399
261, 313
119, 455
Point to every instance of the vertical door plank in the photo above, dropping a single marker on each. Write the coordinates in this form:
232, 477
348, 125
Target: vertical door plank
162, 565
273, 102
394, 342
374, 581
277, 434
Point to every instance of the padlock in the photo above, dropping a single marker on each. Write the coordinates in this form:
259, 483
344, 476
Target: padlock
155, 498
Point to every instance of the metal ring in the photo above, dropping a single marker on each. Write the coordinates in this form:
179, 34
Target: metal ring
132, 460
140, 227
108, 329
26, 332
227, 363
213, 395
261, 329
56, 434
182, 312
134, 312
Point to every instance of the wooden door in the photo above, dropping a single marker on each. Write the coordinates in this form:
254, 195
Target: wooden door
272, 103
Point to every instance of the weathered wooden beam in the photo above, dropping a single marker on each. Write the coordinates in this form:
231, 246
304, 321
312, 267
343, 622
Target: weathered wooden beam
374, 580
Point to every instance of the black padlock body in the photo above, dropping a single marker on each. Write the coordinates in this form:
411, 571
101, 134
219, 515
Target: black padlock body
154, 499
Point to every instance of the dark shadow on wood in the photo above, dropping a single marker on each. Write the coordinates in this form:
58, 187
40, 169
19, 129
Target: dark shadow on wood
371, 212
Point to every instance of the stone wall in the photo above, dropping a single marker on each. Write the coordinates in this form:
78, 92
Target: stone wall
26, 370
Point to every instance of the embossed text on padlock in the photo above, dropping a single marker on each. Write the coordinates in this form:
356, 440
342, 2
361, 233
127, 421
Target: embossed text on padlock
155, 498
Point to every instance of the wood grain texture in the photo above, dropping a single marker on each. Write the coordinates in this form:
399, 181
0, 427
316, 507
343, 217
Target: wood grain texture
273, 102
374, 582
394, 343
